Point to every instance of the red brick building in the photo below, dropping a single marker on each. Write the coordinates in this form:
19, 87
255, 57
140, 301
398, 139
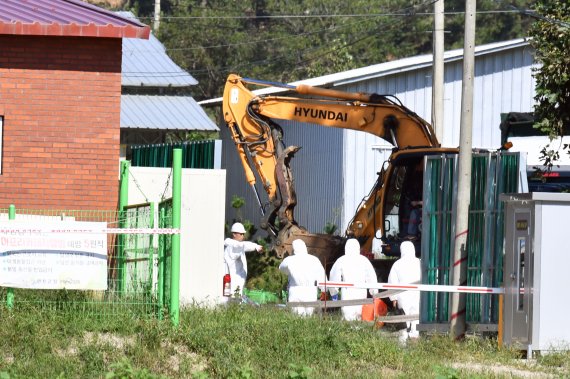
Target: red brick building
60, 98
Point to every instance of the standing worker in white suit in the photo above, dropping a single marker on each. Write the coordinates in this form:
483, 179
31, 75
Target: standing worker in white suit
234, 256
407, 270
352, 267
303, 271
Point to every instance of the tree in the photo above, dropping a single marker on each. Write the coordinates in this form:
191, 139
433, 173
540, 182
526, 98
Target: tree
550, 37
288, 40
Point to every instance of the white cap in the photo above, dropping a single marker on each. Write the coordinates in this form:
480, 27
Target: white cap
238, 228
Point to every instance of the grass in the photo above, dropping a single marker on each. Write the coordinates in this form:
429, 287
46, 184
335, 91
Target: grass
243, 341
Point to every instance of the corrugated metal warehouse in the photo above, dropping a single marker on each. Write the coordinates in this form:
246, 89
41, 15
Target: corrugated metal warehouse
336, 168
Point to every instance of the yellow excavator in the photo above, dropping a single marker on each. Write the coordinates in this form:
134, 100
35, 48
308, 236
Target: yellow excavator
384, 213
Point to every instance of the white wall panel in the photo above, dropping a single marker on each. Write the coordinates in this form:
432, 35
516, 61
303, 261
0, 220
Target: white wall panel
202, 226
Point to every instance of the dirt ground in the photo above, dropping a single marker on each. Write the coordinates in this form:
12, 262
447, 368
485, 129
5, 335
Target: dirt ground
503, 371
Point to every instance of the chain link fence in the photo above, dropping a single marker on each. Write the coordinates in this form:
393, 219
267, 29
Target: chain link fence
134, 278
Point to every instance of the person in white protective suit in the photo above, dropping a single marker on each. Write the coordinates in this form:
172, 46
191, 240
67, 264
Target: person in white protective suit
352, 267
407, 270
234, 257
303, 271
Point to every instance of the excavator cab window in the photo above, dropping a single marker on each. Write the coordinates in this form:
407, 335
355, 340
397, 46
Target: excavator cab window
404, 199
392, 205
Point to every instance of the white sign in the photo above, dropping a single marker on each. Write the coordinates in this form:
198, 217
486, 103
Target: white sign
32, 255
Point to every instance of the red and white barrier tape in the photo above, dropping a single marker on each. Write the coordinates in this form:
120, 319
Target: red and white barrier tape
31, 231
415, 287
142, 230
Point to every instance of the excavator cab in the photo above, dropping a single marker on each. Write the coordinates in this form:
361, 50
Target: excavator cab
403, 204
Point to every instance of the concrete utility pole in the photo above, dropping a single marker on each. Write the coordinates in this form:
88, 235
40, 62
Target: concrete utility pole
156, 24
457, 327
438, 71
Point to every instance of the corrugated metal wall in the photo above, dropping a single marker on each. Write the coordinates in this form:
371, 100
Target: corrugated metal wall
317, 170
503, 83
318, 173
236, 185
364, 156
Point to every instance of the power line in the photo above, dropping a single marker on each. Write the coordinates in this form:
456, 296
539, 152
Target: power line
301, 64
200, 72
264, 61
269, 39
335, 28
540, 17
533, 14
232, 45
408, 12
361, 15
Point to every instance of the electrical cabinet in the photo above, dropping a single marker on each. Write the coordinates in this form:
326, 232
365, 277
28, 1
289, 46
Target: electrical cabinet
535, 271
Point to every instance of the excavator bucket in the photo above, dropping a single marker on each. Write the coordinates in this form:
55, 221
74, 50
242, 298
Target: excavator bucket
326, 247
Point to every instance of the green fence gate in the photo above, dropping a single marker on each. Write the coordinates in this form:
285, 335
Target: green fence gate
493, 173
130, 272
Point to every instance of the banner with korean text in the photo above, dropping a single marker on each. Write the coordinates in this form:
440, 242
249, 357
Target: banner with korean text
53, 255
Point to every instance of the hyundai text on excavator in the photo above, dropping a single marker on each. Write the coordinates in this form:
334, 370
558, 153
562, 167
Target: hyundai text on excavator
384, 213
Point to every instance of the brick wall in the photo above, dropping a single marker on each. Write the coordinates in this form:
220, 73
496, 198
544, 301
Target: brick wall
60, 99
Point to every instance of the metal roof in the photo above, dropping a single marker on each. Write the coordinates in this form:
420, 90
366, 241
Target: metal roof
146, 63
163, 112
384, 69
69, 18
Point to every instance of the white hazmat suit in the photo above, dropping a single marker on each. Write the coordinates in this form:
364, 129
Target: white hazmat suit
234, 257
407, 270
303, 271
352, 267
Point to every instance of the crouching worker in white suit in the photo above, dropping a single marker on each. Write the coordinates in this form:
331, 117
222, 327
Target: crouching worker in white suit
303, 271
352, 267
407, 270
234, 257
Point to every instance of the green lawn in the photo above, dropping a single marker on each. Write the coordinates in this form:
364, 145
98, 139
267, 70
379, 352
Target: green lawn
244, 341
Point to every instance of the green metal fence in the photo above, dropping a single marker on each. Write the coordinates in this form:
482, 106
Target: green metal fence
198, 154
135, 298
492, 174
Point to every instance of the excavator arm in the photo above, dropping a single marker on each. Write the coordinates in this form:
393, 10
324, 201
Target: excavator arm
264, 157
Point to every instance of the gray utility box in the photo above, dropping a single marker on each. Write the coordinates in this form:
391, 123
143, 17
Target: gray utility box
535, 271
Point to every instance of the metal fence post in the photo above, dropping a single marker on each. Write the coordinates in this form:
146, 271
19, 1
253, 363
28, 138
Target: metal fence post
161, 258
123, 202
175, 260
10, 291
151, 250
